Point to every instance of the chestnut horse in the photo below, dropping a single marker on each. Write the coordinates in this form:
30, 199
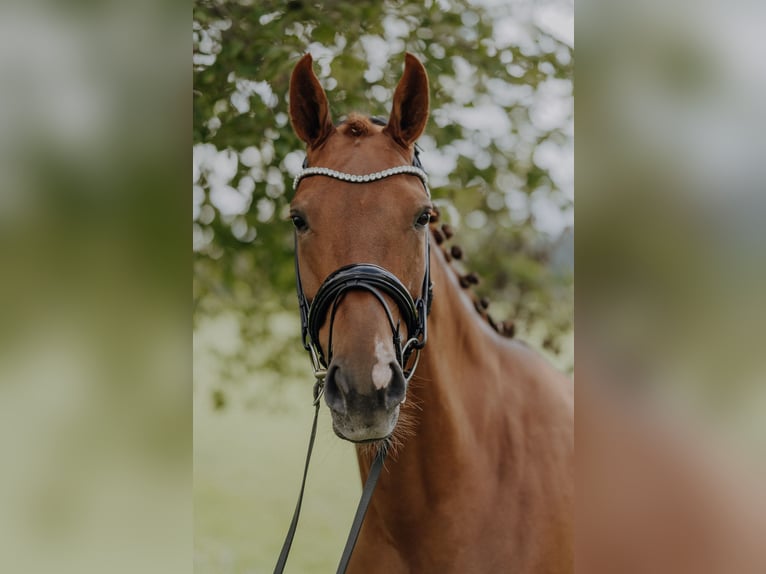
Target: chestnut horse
481, 474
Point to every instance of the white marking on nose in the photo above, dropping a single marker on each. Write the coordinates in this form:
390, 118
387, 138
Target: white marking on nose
381, 371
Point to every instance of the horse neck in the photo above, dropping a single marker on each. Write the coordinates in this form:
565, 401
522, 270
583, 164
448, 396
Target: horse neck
450, 398
449, 384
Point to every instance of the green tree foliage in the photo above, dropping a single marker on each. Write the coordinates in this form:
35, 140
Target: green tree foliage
498, 145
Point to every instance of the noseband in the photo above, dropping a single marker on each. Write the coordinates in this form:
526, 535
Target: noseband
365, 277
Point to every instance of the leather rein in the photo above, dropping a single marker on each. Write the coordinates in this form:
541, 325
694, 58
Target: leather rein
379, 282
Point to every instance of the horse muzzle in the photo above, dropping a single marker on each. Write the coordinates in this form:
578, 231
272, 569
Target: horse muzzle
364, 394
369, 414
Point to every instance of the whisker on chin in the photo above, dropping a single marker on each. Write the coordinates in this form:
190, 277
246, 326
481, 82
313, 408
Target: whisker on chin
406, 427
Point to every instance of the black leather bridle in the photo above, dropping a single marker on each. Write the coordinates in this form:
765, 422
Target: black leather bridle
366, 277
380, 283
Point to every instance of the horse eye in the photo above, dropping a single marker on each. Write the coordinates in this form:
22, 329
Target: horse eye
299, 222
424, 219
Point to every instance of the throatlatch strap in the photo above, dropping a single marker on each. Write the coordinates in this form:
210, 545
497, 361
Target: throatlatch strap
361, 510
364, 502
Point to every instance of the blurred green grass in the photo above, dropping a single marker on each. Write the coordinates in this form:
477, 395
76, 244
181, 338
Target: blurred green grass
248, 461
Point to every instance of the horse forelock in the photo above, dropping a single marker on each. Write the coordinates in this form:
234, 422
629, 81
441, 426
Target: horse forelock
356, 125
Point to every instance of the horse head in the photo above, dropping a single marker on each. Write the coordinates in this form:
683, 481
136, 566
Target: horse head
361, 222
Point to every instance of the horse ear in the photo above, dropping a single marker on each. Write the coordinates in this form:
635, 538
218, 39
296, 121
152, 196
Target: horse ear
409, 112
309, 109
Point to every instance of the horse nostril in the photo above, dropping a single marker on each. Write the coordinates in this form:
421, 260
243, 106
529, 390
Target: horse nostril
335, 389
397, 387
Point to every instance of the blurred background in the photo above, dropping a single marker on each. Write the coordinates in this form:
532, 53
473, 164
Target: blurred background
95, 326
670, 176
671, 400
499, 152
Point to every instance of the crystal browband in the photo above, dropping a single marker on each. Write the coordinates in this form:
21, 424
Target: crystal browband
366, 178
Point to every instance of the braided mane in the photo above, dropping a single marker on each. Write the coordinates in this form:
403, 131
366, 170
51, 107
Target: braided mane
442, 234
